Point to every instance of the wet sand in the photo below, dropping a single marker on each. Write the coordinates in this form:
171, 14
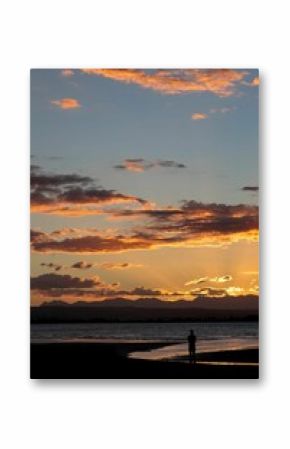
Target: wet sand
80, 360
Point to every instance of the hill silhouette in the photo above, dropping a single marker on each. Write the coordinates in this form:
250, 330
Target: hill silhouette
148, 309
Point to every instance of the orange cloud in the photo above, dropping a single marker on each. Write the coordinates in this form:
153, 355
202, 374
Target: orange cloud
220, 82
255, 82
66, 103
199, 116
86, 209
67, 73
61, 210
98, 244
132, 165
194, 224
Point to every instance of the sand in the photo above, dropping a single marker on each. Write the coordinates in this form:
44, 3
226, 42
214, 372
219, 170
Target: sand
80, 360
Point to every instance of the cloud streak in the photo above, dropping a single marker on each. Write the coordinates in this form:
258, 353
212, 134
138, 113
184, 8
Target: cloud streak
203, 115
141, 165
250, 189
218, 280
221, 82
119, 266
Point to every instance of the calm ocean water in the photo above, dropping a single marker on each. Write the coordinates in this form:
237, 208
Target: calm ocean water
210, 336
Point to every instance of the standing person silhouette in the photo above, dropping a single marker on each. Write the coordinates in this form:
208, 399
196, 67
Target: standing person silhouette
191, 346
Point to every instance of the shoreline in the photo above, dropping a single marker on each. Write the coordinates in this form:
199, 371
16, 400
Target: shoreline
92, 360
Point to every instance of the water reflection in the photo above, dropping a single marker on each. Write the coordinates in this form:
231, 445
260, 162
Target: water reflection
204, 346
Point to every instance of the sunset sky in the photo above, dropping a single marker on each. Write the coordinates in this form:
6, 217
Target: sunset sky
144, 183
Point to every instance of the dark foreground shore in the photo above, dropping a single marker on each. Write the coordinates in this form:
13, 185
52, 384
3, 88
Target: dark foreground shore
110, 361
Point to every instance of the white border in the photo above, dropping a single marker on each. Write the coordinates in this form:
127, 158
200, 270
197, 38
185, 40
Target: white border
137, 414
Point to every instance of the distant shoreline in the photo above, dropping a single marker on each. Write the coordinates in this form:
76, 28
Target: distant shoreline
193, 320
245, 308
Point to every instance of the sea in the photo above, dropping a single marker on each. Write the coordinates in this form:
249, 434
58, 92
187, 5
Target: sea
211, 336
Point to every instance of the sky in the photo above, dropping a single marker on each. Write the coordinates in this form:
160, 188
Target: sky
144, 183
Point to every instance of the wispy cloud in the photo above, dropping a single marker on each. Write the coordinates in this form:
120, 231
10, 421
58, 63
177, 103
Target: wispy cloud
255, 82
224, 110
67, 73
221, 279
196, 281
119, 266
222, 292
72, 194
218, 280
199, 116
140, 165
66, 103
235, 291
82, 265
212, 111
221, 82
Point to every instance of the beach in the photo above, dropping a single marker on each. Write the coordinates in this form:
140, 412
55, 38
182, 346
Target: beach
111, 360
